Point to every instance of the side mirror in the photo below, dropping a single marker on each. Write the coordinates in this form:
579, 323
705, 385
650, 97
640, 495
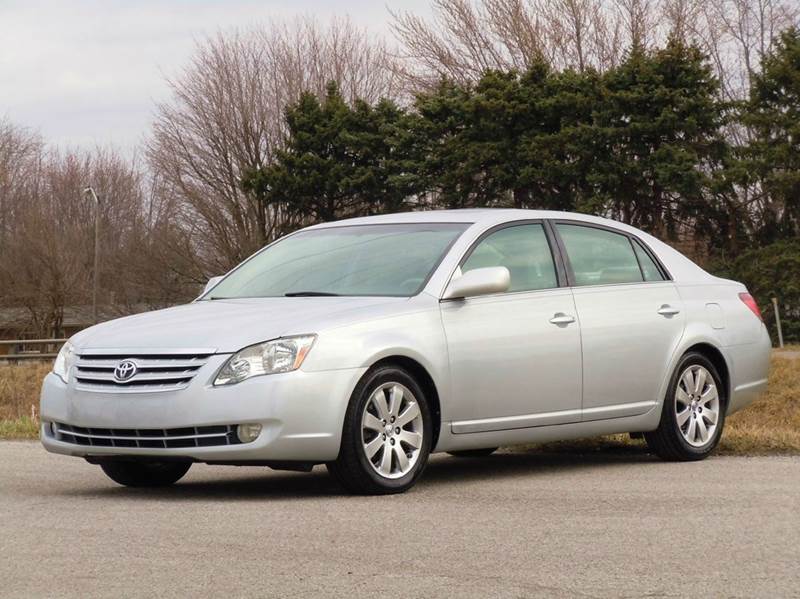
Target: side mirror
212, 282
481, 281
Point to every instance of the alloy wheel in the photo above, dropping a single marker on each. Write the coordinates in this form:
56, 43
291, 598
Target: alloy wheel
697, 405
392, 430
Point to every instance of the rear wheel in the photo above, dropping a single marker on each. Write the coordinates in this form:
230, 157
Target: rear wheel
387, 434
473, 453
145, 474
693, 414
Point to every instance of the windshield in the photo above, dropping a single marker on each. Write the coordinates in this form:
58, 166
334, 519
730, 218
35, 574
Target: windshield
390, 260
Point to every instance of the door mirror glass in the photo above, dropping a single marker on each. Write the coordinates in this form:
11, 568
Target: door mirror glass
480, 281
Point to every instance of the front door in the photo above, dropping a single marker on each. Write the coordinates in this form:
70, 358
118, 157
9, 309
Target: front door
515, 357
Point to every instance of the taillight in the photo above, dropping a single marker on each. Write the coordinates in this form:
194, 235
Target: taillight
750, 302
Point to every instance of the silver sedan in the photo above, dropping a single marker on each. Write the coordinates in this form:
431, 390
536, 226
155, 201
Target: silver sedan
369, 343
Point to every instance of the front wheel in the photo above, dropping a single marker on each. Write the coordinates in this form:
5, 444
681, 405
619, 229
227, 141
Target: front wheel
693, 413
386, 436
145, 474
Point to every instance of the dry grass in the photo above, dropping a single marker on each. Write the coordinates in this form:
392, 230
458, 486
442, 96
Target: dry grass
19, 428
19, 389
770, 426
19, 399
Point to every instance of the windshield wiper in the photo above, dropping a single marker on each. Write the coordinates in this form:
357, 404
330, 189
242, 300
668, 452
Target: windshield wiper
309, 294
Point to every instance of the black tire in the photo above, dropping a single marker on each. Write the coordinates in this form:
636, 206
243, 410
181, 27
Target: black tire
145, 474
667, 441
352, 469
473, 453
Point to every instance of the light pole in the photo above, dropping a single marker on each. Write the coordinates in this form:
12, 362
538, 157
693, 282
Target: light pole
90, 192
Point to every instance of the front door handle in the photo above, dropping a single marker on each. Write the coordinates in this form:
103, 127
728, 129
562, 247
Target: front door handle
561, 318
667, 310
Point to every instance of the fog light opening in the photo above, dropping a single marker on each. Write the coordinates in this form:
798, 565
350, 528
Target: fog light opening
53, 429
247, 433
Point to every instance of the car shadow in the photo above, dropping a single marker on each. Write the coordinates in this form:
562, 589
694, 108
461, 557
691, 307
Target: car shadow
513, 464
257, 485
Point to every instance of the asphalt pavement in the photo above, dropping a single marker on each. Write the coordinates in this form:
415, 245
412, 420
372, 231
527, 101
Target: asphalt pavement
511, 525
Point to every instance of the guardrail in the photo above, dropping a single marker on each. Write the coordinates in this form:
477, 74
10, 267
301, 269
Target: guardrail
49, 349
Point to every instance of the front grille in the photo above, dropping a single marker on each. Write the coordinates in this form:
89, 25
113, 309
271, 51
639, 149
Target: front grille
159, 438
154, 372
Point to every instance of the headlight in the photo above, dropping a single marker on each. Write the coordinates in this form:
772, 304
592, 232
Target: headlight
279, 355
64, 361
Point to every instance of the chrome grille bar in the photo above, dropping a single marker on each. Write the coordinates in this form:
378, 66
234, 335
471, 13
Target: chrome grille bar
106, 364
140, 377
171, 371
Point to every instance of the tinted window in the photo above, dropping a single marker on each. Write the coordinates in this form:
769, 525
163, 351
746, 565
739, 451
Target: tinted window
649, 268
352, 260
523, 250
599, 257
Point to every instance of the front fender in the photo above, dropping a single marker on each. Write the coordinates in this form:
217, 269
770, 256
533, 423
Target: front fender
418, 336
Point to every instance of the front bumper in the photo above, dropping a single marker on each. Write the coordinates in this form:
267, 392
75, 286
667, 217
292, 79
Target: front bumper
301, 414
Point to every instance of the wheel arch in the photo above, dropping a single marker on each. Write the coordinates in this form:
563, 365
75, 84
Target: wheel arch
710, 348
717, 358
424, 379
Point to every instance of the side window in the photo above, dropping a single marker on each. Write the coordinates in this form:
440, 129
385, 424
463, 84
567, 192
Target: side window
599, 257
523, 250
649, 268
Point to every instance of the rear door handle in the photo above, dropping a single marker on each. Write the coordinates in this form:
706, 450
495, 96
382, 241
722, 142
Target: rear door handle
561, 318
667, 310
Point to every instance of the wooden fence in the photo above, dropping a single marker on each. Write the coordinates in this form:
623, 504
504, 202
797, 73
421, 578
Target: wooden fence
15, 350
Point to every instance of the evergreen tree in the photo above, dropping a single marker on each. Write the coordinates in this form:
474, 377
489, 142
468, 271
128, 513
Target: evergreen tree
659, 138
340, 161
511, 140
469, 139
772, 158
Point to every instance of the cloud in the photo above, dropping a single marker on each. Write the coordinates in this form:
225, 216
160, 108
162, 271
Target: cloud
88, 72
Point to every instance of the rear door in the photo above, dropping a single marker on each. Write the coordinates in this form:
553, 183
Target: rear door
515, 356
631, 318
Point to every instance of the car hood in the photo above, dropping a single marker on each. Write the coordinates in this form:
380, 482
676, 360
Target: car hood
225, 326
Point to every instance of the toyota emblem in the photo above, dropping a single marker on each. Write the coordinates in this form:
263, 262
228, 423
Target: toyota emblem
125, 370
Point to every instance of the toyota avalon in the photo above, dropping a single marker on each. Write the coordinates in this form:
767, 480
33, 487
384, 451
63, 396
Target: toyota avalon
368, 344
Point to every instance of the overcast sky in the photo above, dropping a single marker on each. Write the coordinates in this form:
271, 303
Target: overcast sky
86, 72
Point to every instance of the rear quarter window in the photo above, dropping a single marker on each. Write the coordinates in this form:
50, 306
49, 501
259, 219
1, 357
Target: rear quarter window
650, 270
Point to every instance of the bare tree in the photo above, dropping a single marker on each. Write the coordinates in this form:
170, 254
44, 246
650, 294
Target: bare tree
225, 119
576, 30
638, 19
48, 252
19, 149
466, 38
738, 34
681, 18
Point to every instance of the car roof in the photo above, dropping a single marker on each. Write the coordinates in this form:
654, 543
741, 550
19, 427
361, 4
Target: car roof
477, 216
482, 217
463, 215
